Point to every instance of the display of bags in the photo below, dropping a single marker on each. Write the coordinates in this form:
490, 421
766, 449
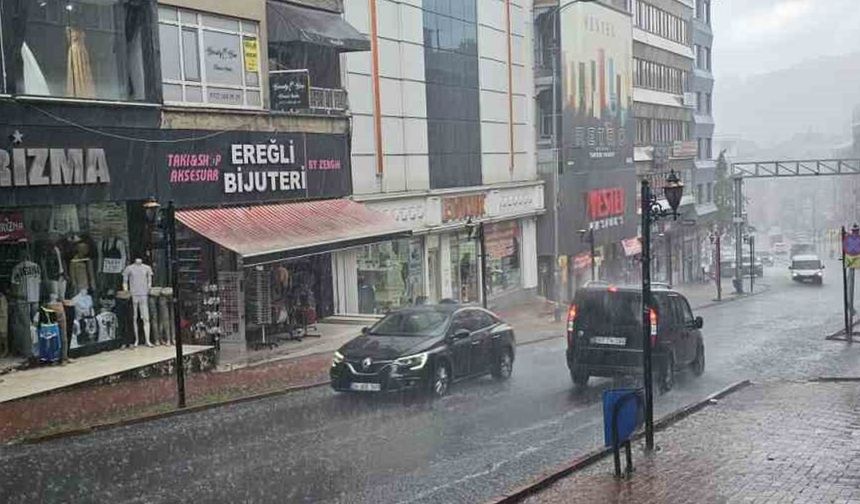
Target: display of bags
50, 344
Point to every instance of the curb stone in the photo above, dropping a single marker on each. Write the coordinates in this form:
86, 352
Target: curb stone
548, 478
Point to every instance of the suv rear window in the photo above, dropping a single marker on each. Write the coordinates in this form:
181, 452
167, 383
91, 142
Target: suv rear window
604, 311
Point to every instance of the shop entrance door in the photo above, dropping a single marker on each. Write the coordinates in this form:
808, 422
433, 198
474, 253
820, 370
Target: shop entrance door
434, 289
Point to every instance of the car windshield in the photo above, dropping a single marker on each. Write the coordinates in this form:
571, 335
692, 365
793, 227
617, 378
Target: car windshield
806, 265
411, 323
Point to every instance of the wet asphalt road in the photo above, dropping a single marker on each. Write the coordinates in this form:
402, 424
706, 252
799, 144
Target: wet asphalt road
485, 437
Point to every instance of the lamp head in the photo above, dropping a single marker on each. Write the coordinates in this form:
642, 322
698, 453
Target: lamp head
673, 191
150, 208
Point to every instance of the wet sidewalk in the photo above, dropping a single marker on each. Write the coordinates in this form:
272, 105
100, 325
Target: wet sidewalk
774, 442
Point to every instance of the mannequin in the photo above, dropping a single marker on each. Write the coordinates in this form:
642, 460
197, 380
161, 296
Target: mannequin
165, 316
26, 284
112, 259
137, 278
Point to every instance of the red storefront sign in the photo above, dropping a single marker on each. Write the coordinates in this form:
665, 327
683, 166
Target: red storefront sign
603, 203
632, 246
459, 208
12, 227
582, 261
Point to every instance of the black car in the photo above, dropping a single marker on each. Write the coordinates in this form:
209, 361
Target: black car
604, 334
425, 347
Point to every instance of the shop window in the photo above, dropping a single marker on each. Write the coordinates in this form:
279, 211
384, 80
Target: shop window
464, 269
504, 272
208, 59
89, 49
67, 260
390, 275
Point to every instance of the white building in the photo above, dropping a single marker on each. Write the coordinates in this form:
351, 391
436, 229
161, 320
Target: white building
443, 136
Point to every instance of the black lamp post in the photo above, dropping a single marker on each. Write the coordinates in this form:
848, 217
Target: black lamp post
651, 212
582, 236
166, 219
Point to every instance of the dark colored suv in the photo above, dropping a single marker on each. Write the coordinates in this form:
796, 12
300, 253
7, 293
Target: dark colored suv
604, 334
425, 347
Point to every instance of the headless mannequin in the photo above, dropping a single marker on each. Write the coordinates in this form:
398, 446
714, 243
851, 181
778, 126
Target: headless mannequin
137, 278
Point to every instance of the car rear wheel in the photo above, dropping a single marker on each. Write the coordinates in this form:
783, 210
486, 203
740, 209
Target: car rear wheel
504, 365
441, 380
666, 375
579, 377
698, 365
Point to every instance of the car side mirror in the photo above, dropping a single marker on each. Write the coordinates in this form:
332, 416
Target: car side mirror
699, 322
791, 267
365, 330
823, 266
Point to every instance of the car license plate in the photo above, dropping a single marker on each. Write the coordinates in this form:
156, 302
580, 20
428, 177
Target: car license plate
606, 340
365, 387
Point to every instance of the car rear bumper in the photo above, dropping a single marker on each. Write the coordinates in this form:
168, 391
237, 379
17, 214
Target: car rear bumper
602, 361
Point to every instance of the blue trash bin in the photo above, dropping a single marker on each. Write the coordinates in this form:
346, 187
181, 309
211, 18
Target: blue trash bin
630, 404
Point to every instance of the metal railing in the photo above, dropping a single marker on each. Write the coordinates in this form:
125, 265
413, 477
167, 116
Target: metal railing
328, 100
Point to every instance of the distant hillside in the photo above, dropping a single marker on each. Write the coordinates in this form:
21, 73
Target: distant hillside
815, 95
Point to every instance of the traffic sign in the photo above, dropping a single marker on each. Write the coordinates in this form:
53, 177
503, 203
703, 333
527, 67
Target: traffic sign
851, 247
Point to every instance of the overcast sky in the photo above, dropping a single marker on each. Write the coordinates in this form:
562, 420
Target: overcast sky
756, 36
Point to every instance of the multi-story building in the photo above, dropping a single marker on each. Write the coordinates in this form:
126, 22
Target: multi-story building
231, 110
584, 94
664, 109
443, 142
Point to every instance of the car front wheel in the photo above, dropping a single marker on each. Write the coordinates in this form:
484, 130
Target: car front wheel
441, 380
504, 365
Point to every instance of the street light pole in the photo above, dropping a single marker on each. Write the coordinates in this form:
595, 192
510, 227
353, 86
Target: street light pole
652, 211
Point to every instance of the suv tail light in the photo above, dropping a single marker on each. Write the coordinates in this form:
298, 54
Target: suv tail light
652, 315
571, 318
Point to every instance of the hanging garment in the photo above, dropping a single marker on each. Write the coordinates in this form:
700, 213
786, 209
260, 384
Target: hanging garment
125, 331
81, 274
34, 79
113, 257
22, 328
27, 278
59, 311
79, 73
107, 326
164, 321
64, 220
154, 315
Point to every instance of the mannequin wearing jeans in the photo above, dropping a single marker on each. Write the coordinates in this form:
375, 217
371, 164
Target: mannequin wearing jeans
164, 315
155, 316
137, 278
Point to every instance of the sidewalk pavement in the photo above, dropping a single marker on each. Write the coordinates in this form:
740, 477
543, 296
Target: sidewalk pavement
775, 442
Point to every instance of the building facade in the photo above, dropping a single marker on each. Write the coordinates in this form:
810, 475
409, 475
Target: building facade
585, 107
442, 141
233, 112
664, 109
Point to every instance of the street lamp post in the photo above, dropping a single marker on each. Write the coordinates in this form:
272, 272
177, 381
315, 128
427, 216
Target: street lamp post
559, 150
651, 212
168, 220
718, 274
590, 233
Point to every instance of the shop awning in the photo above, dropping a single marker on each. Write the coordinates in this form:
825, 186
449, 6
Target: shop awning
267, 233
293, 23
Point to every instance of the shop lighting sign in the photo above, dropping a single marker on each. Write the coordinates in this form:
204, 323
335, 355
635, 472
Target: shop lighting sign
606, 207
53, 167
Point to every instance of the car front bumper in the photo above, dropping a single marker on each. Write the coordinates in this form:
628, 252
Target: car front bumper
390, 378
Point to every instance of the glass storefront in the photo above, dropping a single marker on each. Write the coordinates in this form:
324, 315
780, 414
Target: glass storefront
464, 269
503, 241
283, 299
62, 266
390, 275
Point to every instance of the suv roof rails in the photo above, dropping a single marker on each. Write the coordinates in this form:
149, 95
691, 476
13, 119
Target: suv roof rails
597, 283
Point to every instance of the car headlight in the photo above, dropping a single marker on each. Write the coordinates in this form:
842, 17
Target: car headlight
337, 359
413, 362
819, 273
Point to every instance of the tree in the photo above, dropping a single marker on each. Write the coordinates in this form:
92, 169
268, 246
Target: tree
723, 197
